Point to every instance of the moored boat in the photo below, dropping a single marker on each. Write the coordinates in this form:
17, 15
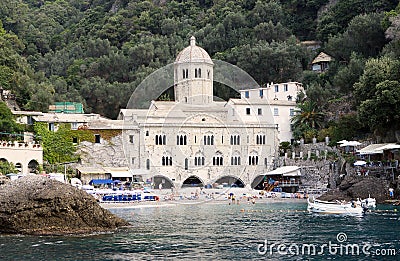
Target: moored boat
369, 202
337, 207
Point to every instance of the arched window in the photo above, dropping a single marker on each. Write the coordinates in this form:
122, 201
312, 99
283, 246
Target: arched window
218, 159
166, 161
148, 164
235, 158
253, 158
208, 139
199, 159
235, 140
161, 139
195, 73
181, 139
260, 139
199, 72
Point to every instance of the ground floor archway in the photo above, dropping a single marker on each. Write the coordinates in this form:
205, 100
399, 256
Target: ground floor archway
192, 181
162, 182
230, 181
33, 166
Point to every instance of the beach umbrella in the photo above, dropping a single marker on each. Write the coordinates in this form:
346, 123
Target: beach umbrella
342, 141
360, 163
352, 143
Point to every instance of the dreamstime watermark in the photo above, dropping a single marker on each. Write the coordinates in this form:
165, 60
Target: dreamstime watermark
338, 247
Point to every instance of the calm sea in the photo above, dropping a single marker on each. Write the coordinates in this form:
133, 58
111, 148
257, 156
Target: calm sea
264, 231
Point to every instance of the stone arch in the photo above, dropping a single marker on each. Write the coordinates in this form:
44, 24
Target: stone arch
164, 180
230, 180
33, 166
193, 181
18, 166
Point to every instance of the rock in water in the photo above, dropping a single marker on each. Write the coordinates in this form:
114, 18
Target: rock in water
353, 187
39, 205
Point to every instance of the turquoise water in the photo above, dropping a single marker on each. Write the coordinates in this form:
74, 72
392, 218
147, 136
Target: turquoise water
221, 232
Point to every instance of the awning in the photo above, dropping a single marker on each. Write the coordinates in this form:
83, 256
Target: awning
390, 146
285, 171
91, 170
352, 143
100, 181
119, 172
372, 149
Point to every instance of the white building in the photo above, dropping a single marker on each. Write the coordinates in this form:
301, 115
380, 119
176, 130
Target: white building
195, 140
282, 100
25, 156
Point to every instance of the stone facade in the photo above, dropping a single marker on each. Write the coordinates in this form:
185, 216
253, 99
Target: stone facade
194, 137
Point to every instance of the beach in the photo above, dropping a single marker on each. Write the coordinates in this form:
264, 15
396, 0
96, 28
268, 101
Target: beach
188, 196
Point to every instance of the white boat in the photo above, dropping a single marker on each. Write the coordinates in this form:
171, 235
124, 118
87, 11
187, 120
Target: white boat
369, 202
326, 207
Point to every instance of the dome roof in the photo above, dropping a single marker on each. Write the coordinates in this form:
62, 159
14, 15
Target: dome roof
193, 53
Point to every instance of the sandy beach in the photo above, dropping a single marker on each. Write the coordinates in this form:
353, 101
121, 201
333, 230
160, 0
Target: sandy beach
192, 196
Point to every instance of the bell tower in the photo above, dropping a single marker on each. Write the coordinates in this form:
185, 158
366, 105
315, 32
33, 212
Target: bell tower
193, 75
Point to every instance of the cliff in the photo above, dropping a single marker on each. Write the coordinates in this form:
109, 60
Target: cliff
39, 205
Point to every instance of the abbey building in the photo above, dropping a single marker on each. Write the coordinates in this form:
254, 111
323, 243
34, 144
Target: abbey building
196, 140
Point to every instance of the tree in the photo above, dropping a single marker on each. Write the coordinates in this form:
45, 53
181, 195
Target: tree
364, 35
382, 112
307, 119
348, 75
7, 121
375, 72
7, 167
57, 145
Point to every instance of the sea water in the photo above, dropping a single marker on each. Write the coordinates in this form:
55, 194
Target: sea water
263, 231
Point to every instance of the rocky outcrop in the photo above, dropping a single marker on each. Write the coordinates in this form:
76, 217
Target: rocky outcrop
353, 187
39, 205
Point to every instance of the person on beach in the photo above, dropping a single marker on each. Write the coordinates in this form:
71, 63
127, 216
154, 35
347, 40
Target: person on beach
391, 192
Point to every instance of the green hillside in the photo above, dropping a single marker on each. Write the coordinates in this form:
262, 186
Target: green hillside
97, 51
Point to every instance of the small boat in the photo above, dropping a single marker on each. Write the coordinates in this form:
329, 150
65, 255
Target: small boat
337, 207
369, 202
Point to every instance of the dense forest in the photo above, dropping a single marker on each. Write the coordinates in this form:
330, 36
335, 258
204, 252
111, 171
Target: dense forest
97, 51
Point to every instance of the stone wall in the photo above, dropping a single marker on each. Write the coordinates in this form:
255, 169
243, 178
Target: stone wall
317, 169
103, 154
315, 174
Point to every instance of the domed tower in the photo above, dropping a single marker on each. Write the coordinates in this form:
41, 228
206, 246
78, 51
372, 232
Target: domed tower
193, 75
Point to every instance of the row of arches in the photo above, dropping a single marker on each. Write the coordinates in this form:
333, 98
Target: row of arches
208, 139
194, 181
197, 73
33, 166
217, 159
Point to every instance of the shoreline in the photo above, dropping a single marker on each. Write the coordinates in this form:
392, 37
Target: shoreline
174, 203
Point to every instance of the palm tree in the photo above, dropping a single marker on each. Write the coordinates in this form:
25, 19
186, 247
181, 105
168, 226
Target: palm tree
307, 118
